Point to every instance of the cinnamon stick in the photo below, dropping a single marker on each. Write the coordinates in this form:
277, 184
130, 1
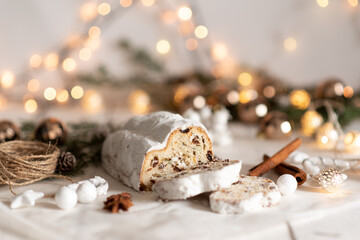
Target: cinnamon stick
276, 159
285, 168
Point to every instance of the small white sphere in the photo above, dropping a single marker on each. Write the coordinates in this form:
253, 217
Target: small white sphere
86, 192
287, 184
66, 198
298, 157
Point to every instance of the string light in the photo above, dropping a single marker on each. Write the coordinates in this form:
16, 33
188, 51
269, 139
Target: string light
290, 44
184, 13
245, 79
50, 94
201, 32
7, 79
30, 106
139, 102
199, 102
310, 122
35, 61
62, 95
69, 64
219, 51
233, 97
51, 61
163, 46
92, 101
33, 85
148, 3
85, 54
77, 92
88, 11
191, 44
94, 32
104, 9
248, 95
348, 92
285, 127
322, 3
300, 99
261, 110
92, 43
327, 136
126, 3
353, 3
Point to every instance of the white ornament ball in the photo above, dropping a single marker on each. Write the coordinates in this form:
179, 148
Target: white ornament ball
66, 198
86, 192
287, 184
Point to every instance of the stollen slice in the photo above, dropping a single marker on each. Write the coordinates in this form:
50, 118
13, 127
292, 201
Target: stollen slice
204, 178
249, 194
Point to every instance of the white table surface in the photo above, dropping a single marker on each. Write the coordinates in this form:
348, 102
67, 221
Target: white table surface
307, 214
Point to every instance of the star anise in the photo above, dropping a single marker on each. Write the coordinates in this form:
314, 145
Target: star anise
120, 201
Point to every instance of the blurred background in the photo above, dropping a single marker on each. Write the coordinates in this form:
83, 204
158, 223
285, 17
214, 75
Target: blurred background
139, 56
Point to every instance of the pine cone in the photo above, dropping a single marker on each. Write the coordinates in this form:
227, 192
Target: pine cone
66, 162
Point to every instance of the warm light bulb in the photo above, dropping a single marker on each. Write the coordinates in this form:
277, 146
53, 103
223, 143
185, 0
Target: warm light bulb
88, 11
199, 102
51, 61
245, 79
62, 95
33, 85
35, 61
322, 3
94, 32
104, 9
348, 92
163, 46
92, 101
290, 44
184, 13
353, 3
191, 44
233, 97
50, 93
7, 79
77, 92
219, 51
126, 3
248, 95
327, 136
30, 106
201, 32
139, 102
85, 54
300, 99
285, 127
148, 3
261, 110
69, 64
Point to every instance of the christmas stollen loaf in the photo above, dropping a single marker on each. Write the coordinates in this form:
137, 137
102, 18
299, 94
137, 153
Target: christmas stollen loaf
206, 177
249, 194
155, 145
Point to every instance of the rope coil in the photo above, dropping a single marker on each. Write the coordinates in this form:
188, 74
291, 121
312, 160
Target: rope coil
25, 162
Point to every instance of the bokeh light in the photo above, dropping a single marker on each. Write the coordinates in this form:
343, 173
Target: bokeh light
300, 99
33, 85
92, 101
85, 54
35, 61
88, 11
51, 61
126, 3
219, 51
7, 79
69, 64
191, 44
50, 94
62, 95
139, 102
77, 92
322, 3
163, 46
201, 32
104, 9
30, 106
245, 79
94, 32
184, 13
148, 3
348, 92
290, 44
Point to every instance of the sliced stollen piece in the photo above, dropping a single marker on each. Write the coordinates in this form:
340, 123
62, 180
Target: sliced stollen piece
155, 145
193, 181
249, 194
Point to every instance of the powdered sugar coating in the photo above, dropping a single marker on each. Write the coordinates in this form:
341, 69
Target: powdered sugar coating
248, 195
192, 182
124, 151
